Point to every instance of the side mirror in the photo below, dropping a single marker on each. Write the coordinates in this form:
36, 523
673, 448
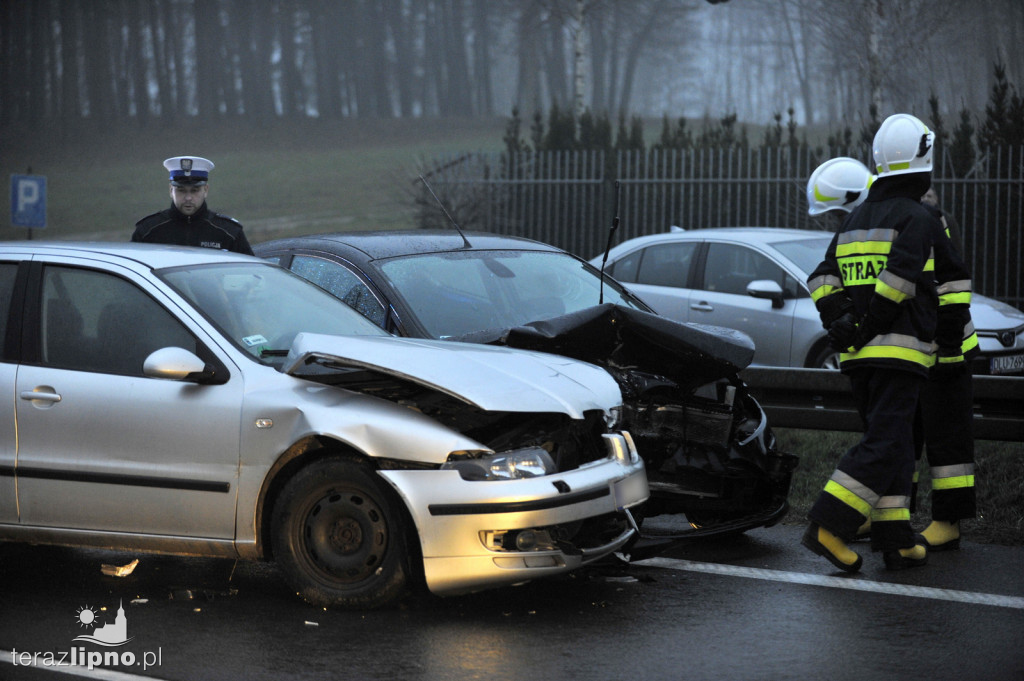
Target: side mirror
177, 364
768, 289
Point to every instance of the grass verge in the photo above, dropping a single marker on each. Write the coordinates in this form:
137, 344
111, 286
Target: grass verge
999, 483
280, 179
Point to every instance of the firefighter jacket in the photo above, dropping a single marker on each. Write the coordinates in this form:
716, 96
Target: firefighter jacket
953, 279
203, 228
880, 266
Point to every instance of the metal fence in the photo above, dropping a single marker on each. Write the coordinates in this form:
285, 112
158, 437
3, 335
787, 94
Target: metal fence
568, 198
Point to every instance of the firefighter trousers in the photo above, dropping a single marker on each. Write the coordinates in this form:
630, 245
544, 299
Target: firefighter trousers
944, 433
874, 477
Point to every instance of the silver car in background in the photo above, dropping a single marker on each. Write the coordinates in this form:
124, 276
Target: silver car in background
198, 402
754, 279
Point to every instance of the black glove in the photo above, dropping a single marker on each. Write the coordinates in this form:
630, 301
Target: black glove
948, 363
878, 320
866, 330
842, 332
834, 306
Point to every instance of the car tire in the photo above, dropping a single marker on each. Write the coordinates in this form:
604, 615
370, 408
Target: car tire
340, 537
827, 358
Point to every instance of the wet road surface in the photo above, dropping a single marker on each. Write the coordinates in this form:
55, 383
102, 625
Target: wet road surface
754, 607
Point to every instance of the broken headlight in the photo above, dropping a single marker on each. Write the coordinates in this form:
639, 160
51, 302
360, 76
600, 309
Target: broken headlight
530, 462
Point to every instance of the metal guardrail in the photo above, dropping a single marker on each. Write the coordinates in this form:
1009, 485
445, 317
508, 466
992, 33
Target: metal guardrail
818, 399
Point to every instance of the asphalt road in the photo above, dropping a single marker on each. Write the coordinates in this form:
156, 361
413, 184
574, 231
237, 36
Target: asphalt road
754, 607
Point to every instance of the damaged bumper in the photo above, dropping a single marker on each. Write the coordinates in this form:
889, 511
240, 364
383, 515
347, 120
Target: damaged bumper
476, 534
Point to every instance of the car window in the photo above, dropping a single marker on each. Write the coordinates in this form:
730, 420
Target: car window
729, 268
94, 321
805, 252
8, 272
667, 264
625, 268
342, 283
261, 307
456, 293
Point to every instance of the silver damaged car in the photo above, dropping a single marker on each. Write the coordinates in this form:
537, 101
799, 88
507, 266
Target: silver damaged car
198, 402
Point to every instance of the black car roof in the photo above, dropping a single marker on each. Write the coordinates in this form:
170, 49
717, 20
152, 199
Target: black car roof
388, 244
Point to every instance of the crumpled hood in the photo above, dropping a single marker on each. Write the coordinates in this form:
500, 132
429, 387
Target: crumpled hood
490, 378
614, 335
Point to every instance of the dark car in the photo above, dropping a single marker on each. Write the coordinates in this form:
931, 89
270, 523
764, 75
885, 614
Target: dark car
708, 448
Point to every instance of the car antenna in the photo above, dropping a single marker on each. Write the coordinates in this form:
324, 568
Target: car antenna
611, 233
465, 241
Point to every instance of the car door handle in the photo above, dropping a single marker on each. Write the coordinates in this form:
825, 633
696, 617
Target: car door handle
33, 395
703, 306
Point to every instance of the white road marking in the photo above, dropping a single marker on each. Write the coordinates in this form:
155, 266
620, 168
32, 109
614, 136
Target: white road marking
838, 582
97, 673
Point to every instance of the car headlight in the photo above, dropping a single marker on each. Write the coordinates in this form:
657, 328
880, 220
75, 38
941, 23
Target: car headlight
530, 462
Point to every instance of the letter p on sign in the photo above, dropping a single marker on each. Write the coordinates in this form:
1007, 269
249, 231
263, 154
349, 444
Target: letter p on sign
28, 201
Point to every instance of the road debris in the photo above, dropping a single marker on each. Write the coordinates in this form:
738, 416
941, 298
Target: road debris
119, 570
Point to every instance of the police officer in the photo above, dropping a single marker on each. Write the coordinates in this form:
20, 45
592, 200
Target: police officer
876, 293
946, 413
189, 222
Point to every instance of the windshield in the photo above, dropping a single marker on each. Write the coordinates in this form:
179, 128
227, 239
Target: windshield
261, 307
456, 293
806, 253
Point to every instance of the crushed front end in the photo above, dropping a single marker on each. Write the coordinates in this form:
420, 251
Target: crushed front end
709, 450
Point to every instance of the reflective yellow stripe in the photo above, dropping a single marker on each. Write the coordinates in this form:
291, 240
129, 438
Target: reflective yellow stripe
893, 346
955, 299
876, 235
881, 515
886, 291
821, 197
824, 285
957, 482
847, 497
958, 286
954, 476
969, 343
863, 248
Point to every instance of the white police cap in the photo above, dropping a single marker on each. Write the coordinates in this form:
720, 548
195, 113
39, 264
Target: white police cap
192, 170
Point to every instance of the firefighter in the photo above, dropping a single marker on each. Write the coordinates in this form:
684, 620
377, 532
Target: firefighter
839, 184
944, 424
947, 405
189, 222
876, 293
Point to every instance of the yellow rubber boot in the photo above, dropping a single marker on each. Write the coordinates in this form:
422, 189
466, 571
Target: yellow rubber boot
864, 531
915, 556
942, 535
826, 544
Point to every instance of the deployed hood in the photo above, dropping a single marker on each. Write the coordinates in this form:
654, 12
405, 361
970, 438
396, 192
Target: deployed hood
613, 335
492, 379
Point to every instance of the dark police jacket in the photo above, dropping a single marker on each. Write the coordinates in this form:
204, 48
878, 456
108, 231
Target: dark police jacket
204, 228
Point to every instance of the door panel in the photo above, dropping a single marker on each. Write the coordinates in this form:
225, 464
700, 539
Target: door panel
724, 301
102, 447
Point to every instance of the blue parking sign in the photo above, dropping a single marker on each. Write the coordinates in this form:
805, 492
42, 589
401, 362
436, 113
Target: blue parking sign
28, 201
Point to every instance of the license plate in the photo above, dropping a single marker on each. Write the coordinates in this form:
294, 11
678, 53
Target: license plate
630, 491
1007, 364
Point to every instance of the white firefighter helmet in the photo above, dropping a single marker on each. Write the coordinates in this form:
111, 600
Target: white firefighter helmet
903, 145
838, 184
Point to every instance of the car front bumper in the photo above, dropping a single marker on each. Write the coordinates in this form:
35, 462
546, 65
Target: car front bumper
467, 529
